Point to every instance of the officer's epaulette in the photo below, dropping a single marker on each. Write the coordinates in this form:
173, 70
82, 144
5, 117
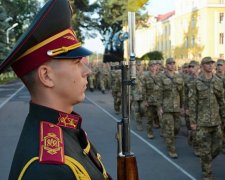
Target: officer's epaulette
51, 144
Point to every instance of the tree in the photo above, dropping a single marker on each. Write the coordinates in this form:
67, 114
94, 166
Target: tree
190, 48
21, 12
153, 55
3, 26
103, 18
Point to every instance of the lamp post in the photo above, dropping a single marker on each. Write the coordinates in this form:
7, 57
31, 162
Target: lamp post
8, 30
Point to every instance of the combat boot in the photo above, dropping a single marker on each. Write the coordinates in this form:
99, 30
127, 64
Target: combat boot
208, 178
139, 127
173, 154
150, 135
197, 153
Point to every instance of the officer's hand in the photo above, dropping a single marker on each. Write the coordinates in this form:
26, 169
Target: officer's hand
193, 127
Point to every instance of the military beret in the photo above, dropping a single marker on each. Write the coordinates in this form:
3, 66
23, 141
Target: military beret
193, 63
220, 61
207, 60
170, 60
50, 36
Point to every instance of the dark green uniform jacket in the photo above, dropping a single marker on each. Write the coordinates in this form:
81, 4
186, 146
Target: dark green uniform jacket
74, 141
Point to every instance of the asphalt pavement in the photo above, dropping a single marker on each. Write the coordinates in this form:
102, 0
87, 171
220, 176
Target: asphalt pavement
99, 121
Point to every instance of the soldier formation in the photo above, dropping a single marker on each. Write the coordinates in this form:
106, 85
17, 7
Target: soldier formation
195, 94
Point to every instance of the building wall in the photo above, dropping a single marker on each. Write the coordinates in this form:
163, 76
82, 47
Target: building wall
192, 33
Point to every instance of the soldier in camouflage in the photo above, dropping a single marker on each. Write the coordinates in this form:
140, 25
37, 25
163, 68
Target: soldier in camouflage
171, 99
194, 68
116, 89
207, 112
220, 73
138, 95
185, 74
152, 93
92, 77
104, 77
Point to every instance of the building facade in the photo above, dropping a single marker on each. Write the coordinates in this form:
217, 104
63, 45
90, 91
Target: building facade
195, 29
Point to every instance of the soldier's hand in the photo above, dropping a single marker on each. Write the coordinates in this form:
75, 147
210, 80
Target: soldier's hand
193, 127
187, 111
160, 111
145, 103
182, 111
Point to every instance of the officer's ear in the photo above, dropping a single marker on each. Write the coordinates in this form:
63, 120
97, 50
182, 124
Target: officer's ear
45, 75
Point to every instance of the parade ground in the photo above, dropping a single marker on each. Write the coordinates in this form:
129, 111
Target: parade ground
100, 123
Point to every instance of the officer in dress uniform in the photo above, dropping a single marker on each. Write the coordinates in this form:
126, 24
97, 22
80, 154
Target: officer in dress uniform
49, 59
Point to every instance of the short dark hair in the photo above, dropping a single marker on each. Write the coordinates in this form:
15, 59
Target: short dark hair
30, 80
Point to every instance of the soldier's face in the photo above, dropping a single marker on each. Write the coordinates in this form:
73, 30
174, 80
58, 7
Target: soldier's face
153, 68
70, 81
208, 67
171, 66
220, 68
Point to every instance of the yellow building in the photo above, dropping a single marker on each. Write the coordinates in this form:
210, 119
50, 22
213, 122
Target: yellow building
195, 29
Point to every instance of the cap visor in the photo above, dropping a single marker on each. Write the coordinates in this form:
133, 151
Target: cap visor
76, 53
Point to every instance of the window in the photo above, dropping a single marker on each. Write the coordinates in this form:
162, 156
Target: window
221, 40
221, 17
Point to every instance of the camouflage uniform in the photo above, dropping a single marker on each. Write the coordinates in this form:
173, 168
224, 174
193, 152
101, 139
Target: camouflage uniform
222, 77
152, 95
104, 76
92, 78
206, 106
171, 99
187, 79
138, 103
116, 89
192, 138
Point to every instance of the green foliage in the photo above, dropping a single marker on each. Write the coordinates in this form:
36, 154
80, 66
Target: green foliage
154, 55
3, 26
103, 17
21, 12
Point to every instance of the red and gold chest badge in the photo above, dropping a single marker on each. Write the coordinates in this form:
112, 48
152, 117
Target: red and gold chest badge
68, 120
51, 144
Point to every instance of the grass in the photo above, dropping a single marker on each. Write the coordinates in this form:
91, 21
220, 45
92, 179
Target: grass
7, 77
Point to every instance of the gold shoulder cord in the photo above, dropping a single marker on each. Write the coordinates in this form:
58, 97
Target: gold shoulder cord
87, 150
78, 170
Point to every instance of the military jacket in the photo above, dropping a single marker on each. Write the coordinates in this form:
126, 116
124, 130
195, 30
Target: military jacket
152, 89
186, 80
171, 94
188, 83
222, 77
116, 82
138, 90
206, 102
56, 154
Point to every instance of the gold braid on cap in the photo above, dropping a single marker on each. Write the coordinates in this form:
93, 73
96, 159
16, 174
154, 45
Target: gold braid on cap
63, 49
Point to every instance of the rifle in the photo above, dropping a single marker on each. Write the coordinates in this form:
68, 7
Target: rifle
126, 161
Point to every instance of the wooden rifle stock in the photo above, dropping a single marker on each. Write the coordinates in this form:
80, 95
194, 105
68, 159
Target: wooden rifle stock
127, 168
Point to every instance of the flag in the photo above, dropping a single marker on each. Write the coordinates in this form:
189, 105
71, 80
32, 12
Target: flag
134, 5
